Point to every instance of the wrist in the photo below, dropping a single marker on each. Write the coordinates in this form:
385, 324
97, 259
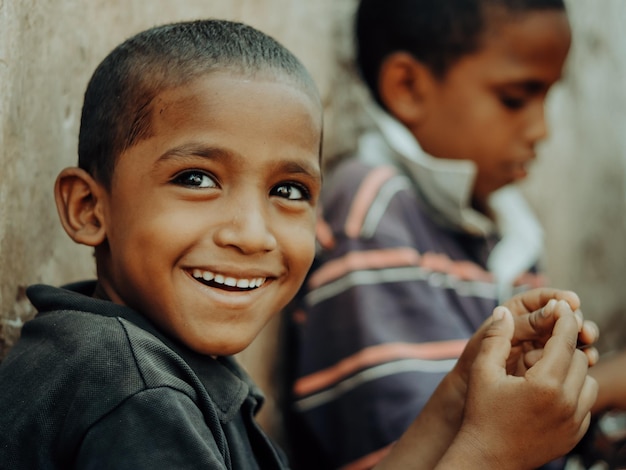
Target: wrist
467, 451
453, 390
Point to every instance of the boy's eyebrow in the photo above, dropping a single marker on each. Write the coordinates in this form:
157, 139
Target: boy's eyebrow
193, 149
527, 86
216, 153
299, 167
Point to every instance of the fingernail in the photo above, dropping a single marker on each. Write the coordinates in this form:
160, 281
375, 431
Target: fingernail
498, 313
564, 306
549, 307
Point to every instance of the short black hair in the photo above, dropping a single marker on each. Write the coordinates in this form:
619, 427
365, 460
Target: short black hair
435, 32
117, 103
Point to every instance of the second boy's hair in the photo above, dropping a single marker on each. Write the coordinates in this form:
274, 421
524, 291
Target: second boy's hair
118, 100
435, 32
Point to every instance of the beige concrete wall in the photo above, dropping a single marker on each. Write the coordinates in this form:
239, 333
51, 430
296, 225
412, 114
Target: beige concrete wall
49, 48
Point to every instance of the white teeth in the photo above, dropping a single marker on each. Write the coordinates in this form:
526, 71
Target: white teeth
227, 280
243, 283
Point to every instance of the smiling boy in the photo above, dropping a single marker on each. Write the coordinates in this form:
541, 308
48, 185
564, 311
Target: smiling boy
197, 185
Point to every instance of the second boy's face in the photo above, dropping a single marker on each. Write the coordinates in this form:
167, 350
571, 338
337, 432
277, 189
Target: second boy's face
489, 108
210, 221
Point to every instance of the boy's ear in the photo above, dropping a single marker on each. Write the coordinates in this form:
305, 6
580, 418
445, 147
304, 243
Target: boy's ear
79, 200
403, 86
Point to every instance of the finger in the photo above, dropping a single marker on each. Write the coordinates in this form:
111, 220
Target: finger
531, 357
535, 299
593, 356
534, 329
587, 398
576, 375
495, 346
559, 349
589, 333
579, 316
536, 325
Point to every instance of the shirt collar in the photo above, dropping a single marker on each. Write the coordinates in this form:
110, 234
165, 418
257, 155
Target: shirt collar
445, 185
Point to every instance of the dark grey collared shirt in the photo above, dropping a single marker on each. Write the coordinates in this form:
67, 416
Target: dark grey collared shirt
92, 384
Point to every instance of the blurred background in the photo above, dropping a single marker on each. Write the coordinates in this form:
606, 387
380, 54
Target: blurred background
49, 48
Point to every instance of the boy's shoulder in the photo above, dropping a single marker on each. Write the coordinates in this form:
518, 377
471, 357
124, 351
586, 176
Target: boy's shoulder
98, 340
75, 339
101, 341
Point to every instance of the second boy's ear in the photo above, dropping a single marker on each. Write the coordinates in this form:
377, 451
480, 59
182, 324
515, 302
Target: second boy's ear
403, 84
79, 200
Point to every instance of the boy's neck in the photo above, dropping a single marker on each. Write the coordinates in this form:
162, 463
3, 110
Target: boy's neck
482, 207
100, 293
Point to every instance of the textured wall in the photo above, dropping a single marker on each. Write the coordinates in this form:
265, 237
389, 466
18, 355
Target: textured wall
49, 48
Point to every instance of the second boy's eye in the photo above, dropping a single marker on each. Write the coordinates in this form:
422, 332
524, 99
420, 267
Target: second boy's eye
195, 179
291, 191
512, 102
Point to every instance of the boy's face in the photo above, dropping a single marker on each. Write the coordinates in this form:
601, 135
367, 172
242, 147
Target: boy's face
489, 108
210, 220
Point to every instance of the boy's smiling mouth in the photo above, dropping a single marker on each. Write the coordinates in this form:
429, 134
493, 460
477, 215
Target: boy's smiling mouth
222, 281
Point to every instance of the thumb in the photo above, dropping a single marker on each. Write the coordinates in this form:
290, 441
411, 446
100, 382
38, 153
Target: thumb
495, 347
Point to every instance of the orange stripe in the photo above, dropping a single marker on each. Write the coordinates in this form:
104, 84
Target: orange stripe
398, 257
324, 233
299, 317
370, 460
464, 270
375, 355
358, 260
364, 197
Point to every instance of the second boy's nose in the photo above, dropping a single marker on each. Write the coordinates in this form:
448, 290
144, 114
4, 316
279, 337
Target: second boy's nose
536, 127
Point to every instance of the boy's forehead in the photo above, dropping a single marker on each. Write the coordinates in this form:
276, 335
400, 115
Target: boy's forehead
499, 18
217, 103
215, 87
529, 45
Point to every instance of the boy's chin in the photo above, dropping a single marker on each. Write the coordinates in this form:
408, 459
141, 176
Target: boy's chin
224, 347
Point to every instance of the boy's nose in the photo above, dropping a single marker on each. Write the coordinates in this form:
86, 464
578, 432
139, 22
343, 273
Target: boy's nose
537, 128
246, 229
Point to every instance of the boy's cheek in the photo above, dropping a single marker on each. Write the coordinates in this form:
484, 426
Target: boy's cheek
306, 257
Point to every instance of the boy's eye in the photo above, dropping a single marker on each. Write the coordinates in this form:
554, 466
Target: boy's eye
291, 191
195, 179
512, 102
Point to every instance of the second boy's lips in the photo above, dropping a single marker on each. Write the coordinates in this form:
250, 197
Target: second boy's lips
518, 168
